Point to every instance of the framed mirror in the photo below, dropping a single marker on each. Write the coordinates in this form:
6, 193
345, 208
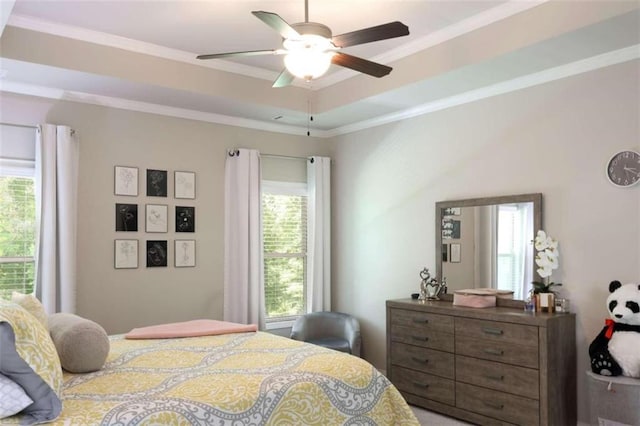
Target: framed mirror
488, 242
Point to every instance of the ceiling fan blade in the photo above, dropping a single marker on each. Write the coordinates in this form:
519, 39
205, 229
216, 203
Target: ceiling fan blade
367, 35
277, 23
358, 64
236, 54
284, 79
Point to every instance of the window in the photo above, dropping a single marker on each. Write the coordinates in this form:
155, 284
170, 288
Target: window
17, 228
514, 224
284, 223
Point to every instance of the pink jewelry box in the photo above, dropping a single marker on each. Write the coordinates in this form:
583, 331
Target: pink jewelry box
480, 297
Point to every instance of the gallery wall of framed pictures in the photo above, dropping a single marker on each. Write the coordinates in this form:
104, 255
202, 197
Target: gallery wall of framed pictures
154, 215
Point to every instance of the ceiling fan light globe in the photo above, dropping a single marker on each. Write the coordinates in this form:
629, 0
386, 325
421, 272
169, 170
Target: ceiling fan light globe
307, 63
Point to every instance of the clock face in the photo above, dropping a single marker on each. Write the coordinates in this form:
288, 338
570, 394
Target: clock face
624, 168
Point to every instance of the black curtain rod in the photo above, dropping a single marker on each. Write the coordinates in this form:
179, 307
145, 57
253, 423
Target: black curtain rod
236, 152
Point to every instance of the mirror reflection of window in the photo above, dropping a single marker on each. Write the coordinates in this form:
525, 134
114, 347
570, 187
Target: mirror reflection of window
514, 249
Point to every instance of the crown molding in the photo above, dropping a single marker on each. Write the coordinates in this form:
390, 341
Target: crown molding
127, 104
6, 6
472, 23
578, 67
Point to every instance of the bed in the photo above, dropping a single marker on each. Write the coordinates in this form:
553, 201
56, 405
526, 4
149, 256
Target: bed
249, 378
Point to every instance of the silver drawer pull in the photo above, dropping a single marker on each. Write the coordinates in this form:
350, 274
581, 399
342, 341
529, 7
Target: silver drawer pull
422, 360
420, 321
491, 330
421, 338
494, 377
494, 405
492, 351
421, 385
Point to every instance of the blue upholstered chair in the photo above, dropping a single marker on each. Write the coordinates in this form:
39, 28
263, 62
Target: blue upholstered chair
333, 330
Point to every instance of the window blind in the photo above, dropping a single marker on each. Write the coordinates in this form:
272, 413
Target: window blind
284, 222
17, 235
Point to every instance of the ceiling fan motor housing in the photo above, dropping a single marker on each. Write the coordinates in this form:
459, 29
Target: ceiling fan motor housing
312, 28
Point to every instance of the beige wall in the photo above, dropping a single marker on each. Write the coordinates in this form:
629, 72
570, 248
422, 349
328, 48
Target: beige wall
554, 139
122, 299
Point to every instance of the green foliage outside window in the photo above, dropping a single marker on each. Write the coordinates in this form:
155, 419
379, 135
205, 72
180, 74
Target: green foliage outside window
284, 224
17, 235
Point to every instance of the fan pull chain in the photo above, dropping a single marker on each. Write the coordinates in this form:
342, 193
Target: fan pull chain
309, 117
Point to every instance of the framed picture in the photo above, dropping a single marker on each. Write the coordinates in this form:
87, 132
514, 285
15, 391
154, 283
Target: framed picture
455, 253
126, 181
184, 185
455, 230
126, 217
185, 253
126, 254
447, 228
156, 253
156, 183
156, 215
185, 219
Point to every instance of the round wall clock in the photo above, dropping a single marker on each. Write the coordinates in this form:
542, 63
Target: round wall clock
624, 168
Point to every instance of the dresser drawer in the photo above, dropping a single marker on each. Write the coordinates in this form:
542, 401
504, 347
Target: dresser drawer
525, 356
494, 375
424, 385
414, 319
499, 405
524, 335
423, 359
422, 336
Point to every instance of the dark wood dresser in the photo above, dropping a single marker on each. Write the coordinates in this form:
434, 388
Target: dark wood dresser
491, 366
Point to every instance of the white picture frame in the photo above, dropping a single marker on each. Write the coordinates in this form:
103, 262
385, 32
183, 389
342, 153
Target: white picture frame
156, 218
125, 254
184, 253
125, 181
455, 253
184, 185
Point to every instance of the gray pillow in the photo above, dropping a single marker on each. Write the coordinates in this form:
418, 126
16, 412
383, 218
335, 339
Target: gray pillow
82, 344
46, 406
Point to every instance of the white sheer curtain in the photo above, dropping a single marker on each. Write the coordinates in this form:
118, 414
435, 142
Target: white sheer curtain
57, 158
526, 211
319, 233
243, 272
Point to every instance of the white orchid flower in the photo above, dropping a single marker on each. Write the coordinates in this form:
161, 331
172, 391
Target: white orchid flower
543, 261
544, 272
552, 258
546, 258
541, 242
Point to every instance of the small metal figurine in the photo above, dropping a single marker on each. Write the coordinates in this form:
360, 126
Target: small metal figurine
429, 287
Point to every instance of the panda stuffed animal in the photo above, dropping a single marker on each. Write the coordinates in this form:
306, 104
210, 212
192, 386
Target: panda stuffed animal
616, 350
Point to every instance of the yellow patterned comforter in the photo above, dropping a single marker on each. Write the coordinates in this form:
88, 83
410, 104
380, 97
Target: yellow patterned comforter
234, 379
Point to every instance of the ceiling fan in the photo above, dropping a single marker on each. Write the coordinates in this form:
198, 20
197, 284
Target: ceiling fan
310, 48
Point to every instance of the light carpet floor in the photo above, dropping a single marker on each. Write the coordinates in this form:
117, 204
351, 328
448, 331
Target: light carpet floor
433, 419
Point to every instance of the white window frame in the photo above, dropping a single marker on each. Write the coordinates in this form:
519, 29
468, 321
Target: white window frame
284, 188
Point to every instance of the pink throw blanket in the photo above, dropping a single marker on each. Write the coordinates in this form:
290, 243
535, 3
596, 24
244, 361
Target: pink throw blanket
203, 327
